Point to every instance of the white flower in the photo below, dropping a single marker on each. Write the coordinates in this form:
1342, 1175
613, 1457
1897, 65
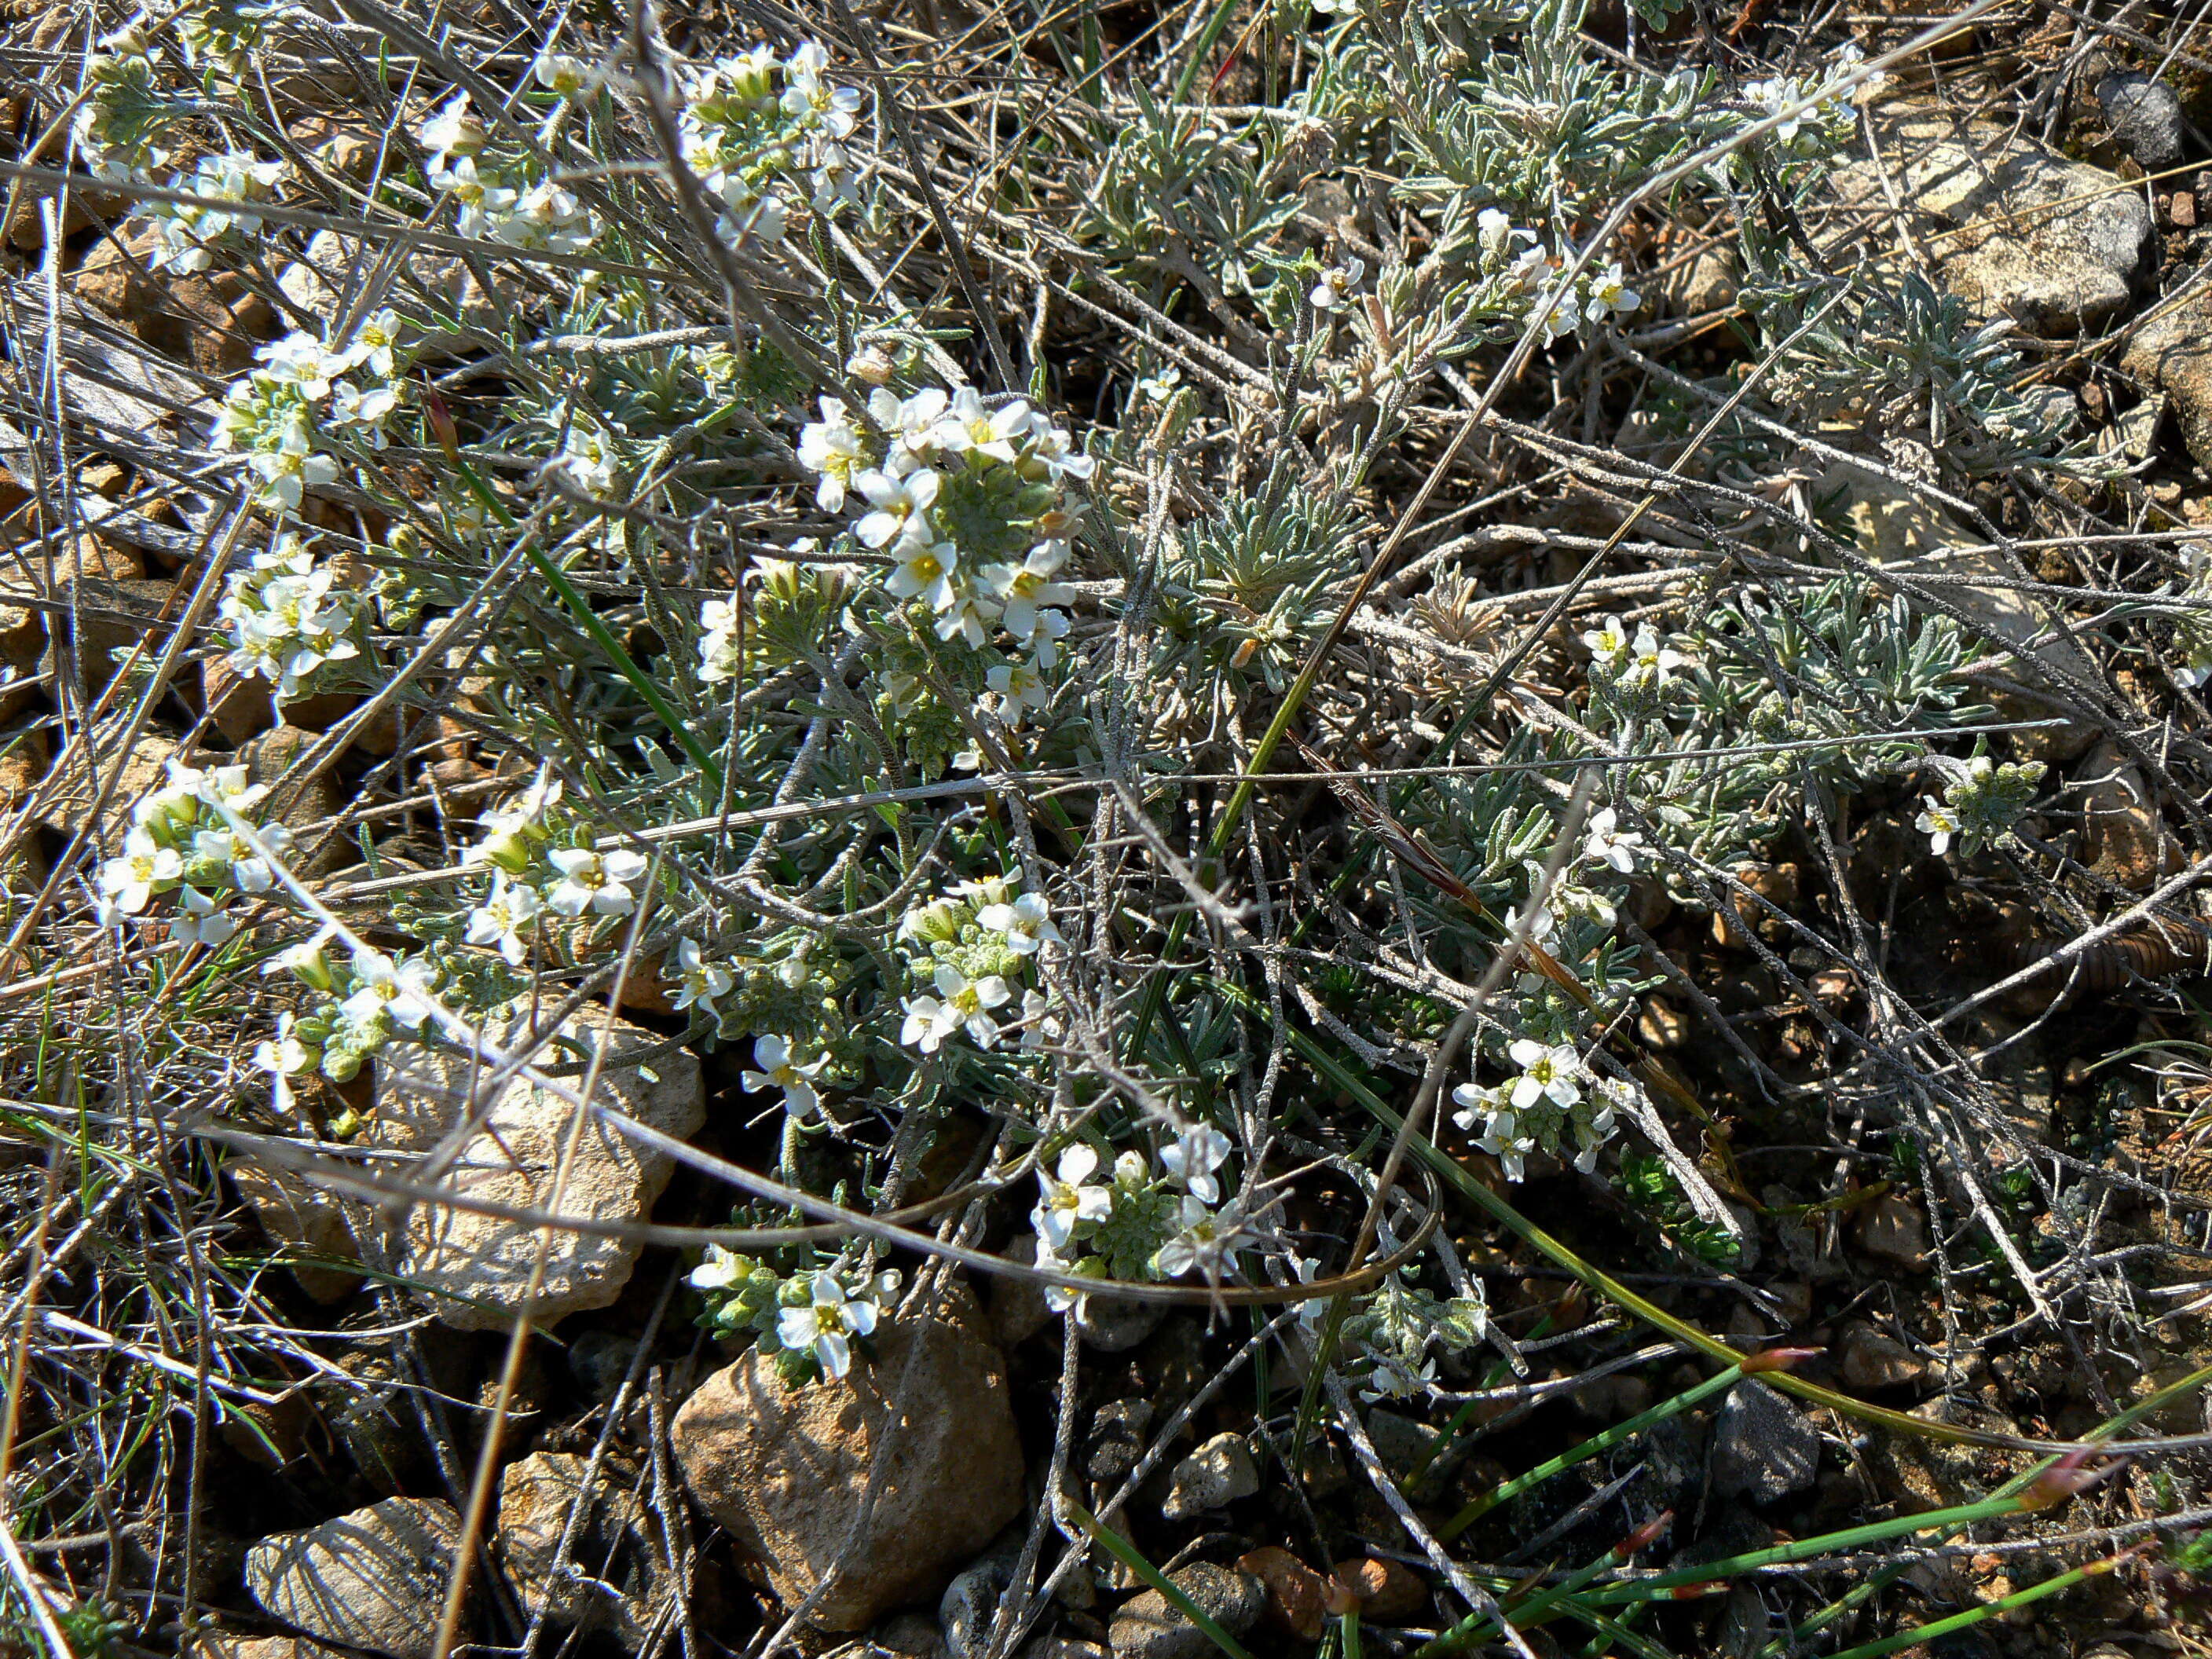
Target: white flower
988, 890
1158, 388
1067, 1199
250, 871
901, 507
699, 983
283, 1057
376, 341
400, 990
1205, 1239
781, 1069
1053, 452
1037, 1024
928, 1022
587, 458
556, 72
1609, 643
966, 618
451, 131
501, 919
200, 919
835, 110
351, 406
1938, 823
1499, 239
721, 1270
924, 572
1336, 283
1197, 1152
836, 448
1027, 587
1606, 846
1610, 295
967, 428
1026, 923
968, 1002
910, 424
1019, 688
718, 641
1546, 1073
824, 1322
146, 868
1653, 659
1540, 925
1493, 1125
224, 785
594, 881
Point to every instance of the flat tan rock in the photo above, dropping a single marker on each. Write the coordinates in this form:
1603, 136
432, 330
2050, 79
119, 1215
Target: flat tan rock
479, 1266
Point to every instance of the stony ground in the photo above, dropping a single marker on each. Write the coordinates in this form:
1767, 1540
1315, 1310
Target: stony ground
260, 1412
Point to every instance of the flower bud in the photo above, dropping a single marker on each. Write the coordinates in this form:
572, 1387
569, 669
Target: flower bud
871, 365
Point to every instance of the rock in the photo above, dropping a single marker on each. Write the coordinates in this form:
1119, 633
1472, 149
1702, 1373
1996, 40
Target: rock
2170, 351
1764, 1447
347, 148
605, 1581
1117, 1438
787, 1470
105, 620
374, 1419
244, 705
1018, 1306
2144, 115
971, 1602
1213, 1477
1150, 1626
1872, 1360
2123, 839
1298, 1599
905, 1635
479, 1266
1896, 528
600, 1361
1115, 1324
1065, 1647
292, 1211
1403, 1444
1892, 1230
374, 1579
1388, 1592
209, 318
302, 804
71, 791
431, 285
2015, 230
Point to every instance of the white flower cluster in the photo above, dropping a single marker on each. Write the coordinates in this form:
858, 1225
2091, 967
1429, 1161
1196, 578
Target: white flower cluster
286, 617
1631, 672
1822, 127
283, 416
977, 941
752, 123
189, 231
1133, 1222
970, 501
500, 196
366, 1002
1555, 1094
532, 878
179, 845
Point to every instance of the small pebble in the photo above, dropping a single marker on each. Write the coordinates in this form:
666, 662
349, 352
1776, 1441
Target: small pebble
1213, 1477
